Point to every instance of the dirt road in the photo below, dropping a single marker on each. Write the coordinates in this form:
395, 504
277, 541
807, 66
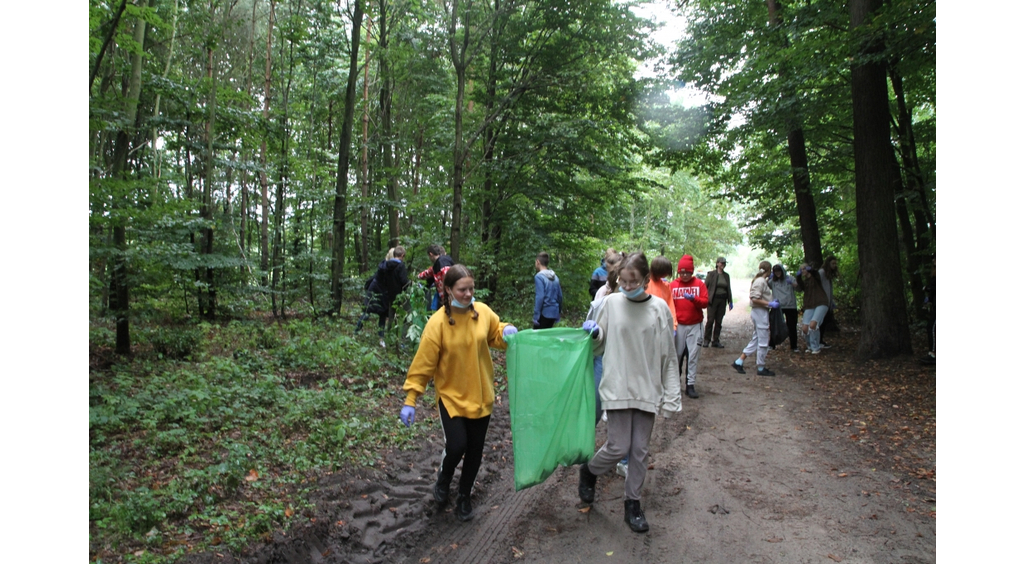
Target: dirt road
750, 472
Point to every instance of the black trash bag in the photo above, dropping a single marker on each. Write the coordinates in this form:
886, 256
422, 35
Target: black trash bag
777, 327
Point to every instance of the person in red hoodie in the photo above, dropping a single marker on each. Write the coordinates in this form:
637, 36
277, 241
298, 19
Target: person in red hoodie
690, 296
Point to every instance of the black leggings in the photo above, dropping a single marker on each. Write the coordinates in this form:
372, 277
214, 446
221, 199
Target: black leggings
463, 437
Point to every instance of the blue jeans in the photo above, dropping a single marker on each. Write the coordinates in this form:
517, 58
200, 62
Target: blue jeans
814, 335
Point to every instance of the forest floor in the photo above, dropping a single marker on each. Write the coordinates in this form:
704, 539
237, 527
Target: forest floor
829, 461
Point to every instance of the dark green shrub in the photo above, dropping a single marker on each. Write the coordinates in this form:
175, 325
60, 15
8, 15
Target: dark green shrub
175, 342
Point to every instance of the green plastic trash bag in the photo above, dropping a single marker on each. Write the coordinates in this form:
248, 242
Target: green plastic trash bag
551, 399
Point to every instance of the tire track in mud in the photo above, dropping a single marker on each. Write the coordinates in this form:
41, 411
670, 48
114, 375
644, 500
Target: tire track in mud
495, 505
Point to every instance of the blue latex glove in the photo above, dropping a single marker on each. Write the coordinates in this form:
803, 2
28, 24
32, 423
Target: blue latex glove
730, 306
590, 326
773, 304
408, 415
690, 297
509, 330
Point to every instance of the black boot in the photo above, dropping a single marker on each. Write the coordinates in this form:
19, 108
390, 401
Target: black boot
441, 489
635, 516
463, 508
587, 482
691, 392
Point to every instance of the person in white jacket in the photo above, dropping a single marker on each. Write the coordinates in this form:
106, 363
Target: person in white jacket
760, 302
633, 331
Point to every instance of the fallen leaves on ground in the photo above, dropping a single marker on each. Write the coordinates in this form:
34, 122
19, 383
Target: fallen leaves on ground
890, 404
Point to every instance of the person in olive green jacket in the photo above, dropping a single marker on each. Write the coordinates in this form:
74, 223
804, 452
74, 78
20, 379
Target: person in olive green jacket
719, 296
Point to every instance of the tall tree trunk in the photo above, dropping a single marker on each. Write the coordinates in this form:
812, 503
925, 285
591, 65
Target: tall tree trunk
279, 208
885, 330
913, 260
489, 226
155, 165
912, 199
208, 290
113, 23
243, 227
387, 145
344, 149
917, 196
417, 161
805, 208
264, 195
364, 177
119, 276
459, 61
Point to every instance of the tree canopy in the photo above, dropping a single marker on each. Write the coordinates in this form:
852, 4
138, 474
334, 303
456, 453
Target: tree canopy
262, 155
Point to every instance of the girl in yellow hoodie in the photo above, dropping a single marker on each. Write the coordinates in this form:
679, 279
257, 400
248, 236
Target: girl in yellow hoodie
454, 352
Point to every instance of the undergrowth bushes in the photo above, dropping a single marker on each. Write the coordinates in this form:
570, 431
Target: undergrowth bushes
214, 430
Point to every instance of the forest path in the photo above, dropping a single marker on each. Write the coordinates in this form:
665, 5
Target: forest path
747, 472
750, 472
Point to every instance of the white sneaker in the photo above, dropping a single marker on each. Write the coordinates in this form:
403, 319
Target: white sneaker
622, 469
604, 416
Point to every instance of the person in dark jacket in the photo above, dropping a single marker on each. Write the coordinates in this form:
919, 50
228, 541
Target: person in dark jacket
389, 281
784, 290
719, 295
828, 273
547, 305
815, 305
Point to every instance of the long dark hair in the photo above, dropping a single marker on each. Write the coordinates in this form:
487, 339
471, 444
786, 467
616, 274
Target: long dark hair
830, 272
455, 273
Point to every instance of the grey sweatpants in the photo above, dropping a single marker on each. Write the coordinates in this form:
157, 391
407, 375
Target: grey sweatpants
688, 342
629, 432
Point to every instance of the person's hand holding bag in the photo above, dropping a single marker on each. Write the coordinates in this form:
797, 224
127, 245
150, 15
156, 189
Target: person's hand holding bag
508, 330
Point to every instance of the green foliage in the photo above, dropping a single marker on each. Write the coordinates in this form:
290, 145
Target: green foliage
769, 76
176, 441
175, 342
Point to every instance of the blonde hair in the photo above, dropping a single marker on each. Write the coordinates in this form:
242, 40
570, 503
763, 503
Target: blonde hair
764, 270
613, 278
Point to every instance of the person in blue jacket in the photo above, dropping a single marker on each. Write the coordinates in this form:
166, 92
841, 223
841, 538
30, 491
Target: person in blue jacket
547, 306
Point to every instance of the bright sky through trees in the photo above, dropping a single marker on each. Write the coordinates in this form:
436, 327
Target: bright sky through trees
672, 27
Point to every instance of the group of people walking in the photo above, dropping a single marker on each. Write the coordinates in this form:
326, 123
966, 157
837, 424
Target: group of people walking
648, 332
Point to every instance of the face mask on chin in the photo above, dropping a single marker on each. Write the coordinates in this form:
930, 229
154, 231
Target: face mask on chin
636, 293
460, 305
